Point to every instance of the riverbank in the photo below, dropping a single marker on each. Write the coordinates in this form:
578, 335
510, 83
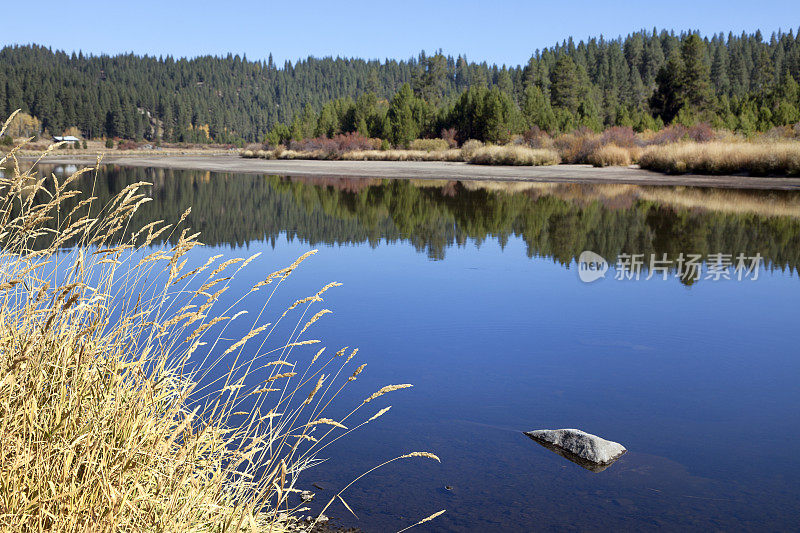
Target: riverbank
433, 170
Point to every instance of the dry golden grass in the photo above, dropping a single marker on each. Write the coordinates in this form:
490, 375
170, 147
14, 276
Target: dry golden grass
301, 154
472, 152
513, 155
403, 155
253, 154
470, 148
758, 159
97, 147
429, 145
358, 155
610, 155
104, 423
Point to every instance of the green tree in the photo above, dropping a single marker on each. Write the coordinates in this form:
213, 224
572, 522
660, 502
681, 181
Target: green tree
504, 82
430, 81
719, 70
695, 83
536, 109
589, 115
565, 85
763, 73
328, 122
500, 117
667, 99
307, 123
405, 116
279, 134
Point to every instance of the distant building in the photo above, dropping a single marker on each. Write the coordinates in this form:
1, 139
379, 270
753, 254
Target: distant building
67, 138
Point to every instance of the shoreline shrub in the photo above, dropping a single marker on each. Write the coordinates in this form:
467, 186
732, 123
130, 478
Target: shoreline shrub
756, 159
429, 145
610, 155
513, 155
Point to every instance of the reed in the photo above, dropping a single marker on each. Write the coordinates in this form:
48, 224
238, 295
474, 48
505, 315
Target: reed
403, 155
757, 159
513, 155
115, 414
430, 145
472, 152
610, 155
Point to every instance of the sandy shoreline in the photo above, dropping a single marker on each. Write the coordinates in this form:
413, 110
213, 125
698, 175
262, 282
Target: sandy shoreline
433, 170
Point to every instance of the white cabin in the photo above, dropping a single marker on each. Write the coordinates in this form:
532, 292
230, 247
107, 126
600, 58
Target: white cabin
67, 138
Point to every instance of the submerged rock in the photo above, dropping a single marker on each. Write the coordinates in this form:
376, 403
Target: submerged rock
584, 449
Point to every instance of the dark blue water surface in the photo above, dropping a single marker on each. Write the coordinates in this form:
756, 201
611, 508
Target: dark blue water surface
470, 291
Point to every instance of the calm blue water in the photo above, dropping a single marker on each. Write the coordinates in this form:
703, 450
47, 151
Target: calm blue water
471, 293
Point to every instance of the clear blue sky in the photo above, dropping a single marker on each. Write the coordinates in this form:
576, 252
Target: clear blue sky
495, 31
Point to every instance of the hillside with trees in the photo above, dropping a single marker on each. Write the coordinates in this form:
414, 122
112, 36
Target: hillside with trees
646, 80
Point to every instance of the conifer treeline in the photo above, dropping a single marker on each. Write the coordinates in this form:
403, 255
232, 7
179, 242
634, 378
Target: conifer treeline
741, 82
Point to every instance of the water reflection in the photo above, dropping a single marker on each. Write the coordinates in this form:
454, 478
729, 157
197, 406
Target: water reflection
557, 221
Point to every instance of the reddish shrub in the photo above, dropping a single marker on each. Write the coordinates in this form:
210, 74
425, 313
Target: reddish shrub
576, 147
355, 141
339, 144
450, 135
779, 133
622, 136
584, 131
701, 133
127, 145
671, 134
316, 143
535, 137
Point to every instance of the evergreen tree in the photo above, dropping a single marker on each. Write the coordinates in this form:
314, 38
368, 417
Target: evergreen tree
565, 89
667, 99
695, 83
719, 70
537, 110
405, 117
500, 117
431, 79
504, 82
763, 74
328, 123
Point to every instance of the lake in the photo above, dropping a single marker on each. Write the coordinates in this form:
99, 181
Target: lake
472, 292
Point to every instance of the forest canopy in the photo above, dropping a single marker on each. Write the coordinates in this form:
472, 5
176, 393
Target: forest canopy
648, 79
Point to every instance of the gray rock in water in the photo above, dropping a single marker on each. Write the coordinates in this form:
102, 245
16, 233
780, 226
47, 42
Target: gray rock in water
587, 450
